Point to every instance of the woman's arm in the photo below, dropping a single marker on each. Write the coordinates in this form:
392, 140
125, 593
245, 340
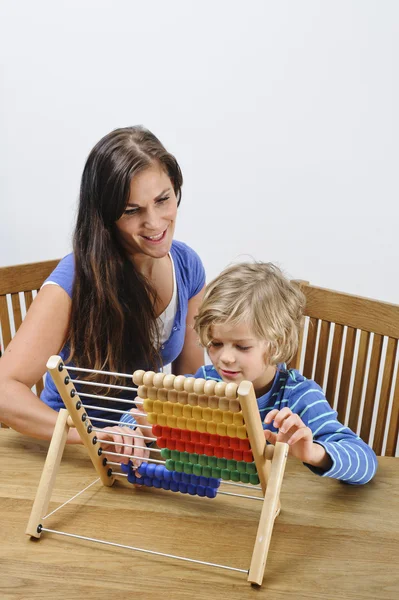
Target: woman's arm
191, 357
41, 334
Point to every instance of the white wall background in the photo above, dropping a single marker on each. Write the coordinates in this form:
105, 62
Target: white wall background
283, 116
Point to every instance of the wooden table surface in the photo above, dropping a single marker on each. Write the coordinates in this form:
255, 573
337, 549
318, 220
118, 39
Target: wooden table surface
330, 541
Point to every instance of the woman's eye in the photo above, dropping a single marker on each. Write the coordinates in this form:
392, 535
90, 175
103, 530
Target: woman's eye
163, 199
131, 211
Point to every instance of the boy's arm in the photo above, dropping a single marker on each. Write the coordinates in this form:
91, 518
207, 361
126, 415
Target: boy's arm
351, 460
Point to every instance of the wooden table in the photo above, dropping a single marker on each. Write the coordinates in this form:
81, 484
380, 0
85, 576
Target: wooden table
330, 541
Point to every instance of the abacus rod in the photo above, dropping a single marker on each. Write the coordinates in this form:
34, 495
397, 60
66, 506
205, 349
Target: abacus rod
132, 435
106, 385
130, 446
237, 495
200, 562
154, 460
100, 372
113, 410
70, 499
243, 485
112, 398
117, 422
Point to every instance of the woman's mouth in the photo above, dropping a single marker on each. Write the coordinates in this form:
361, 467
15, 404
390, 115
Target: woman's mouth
155, 239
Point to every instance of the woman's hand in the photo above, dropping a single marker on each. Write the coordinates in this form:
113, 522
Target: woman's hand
299, 437
122, 444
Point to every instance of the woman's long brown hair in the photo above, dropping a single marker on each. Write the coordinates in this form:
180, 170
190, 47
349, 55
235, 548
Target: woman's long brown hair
113, 323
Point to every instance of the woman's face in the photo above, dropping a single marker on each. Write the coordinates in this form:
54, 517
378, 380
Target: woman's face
147, 225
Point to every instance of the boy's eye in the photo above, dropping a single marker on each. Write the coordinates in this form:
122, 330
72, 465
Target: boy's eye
243, 348
215, 344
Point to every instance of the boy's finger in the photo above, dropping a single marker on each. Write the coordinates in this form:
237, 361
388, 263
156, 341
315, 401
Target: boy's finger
270, 416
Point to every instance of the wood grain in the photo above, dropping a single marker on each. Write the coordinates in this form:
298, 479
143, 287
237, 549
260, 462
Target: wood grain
330, 540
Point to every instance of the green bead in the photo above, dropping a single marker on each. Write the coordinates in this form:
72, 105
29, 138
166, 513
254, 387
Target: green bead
222, 463
226, 474
232, 465
212, 461
216, 473
235, 476
170, 465
165, 453
251, 467
179, 466
241, 466
197, 470
188, 468
175, 454
194, 459
203, 460
207, 471
254, 479
244, 477
184, 457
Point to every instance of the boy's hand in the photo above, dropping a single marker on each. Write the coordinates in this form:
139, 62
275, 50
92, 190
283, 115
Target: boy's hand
298, 436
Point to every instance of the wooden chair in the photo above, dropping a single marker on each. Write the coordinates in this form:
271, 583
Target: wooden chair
16, 280
349, 346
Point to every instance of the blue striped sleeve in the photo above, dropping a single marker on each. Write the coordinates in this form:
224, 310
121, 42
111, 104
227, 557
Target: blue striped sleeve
353, 461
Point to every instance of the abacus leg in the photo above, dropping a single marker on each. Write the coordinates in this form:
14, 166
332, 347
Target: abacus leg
270, 509
49, 473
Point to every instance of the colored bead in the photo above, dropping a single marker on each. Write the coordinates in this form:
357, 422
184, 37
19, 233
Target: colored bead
165, 484
183, 488
210, 492
170, 465
174, 486
250, 467
159, 471
191, 489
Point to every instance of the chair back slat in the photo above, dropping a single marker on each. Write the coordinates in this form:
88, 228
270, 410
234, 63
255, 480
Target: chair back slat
14, 280
321, 360
310, 348
343, 394
371, 387
333, 372
350, 348
386, 388
5, 321
393, 430
358, 384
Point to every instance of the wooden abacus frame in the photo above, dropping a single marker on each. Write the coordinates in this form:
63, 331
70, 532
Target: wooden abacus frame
270, 461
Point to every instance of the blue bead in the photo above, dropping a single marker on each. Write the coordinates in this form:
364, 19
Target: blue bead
143, 468
167, 475
174, 486
131, 477
165, 484
183, 488
125, 468
186, 478
139, 480
150, 470
204, 481
194, 479
210, 492
148, 481
192, 489
214, 483
176, 476
156, 482
201, 490
159, 471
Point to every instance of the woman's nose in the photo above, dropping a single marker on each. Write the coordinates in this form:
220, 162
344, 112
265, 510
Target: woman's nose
152, 221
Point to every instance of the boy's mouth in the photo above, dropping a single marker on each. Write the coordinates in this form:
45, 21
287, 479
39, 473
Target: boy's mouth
227, 373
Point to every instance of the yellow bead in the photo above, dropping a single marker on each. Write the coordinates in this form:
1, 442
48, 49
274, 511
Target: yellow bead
227, 417
181, 423
162, 420
158, 406
232, 431
171, 421
242, 432
221, 429
207, 414
211, 427
202, 426
152, 418
177, 410
238, 419
192, 424
187, 411
197, 412
148, 405
217, 416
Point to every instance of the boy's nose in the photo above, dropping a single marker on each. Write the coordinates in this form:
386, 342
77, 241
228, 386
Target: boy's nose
227, 357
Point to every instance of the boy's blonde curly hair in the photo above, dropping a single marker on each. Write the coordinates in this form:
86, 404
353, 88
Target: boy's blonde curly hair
259, 295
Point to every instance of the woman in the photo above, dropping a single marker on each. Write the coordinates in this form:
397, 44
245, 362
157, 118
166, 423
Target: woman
125, 299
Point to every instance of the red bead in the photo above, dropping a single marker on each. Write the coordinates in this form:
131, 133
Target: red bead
244, 444
237, 455
157, 430
199, 449
209, 450
195, 437
180, 445
185, 435
205, 438
248, 456
228, 453
175, 434
235, 443
225, 441
219, 451
190, 446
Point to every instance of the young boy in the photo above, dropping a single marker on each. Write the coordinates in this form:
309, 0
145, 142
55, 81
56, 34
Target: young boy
249, 323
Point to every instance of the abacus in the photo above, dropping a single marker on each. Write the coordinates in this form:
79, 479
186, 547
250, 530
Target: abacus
208, 435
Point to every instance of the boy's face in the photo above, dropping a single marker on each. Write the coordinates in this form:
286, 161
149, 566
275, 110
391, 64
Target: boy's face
237, 354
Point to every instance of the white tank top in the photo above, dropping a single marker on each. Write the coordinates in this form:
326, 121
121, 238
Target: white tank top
167, 318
